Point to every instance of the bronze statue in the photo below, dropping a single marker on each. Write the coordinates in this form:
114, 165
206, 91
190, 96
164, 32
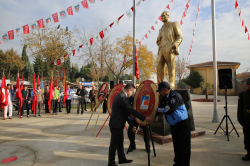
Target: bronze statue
168, 40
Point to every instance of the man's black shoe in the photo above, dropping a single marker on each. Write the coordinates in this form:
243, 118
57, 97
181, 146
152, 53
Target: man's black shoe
246, 157
125, 161
131, 149
112, 165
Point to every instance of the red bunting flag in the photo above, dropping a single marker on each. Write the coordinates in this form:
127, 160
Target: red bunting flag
136, 64
91, 41
50, 93
74, 51
181, 22
248, 36
26, 29
65, 55
18, 92
140, 43
3, 95
85, 4
34, 99
69, 10
184, 14
153, 28
40, 23
80, 46
159, 18
120, 17
38, 80
11, 34
168, 7
132, 8
243, 22
246, 29
111, 24
101, 34
236, 4
58, 61
146, 36
187, 5
55, 17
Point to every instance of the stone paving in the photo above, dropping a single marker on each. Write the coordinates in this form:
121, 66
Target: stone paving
61, 140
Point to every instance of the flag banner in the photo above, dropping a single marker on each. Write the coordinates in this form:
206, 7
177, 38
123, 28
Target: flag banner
105, 30
18, 92
70, 11
5, 37
48, 20
149, 32
159, 18
128, 13
50, 93
91, 41
40, 23
0, 41
243, 22
156, 22
111, 24
168, 7
138, 3
3, 95
70, 55
140, 43
120, 17
146, 36
62, 59
172, 1
18, 31
181, 22
153, 28
246, 29
85, 4
236, 4
136, 64
117, 22
77, 6
26, 29
11, 34
184, 14
63, 14
65, 55
55, 17
33, 26
80, 46
101, 34
54, 62
248, 36
74, 52
78, 50
92, 2
187, 5
38, 80
58, 61
87, 44
97, 37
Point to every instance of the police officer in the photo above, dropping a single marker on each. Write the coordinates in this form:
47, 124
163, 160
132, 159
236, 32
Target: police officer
172, 105
244, 117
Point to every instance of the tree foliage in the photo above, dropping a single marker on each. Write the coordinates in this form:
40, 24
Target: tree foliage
194, 79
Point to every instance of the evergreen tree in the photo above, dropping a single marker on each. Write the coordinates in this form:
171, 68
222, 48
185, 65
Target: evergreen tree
24, 54
74, 73
194, 79
46, 70
38, 66
84, 73
29, 70
67, 67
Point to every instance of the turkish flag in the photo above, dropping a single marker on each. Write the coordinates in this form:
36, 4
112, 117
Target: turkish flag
246, 29
80, 46
65, 97
91, 41
146, 36
243, 22
101, 34
120, 17
40, 23
85, 4
34, 100
59, 61
26, 29
18, 93
111, 25
11, 34
181, 22
38, 81
69, 10
65, 55
21, 87
136, 64
187, 5
159, 18
236, 4
140, 43
168, 7
184, 14
132, 8
74, 52
153, 28
3, 95
50, 93
55, 17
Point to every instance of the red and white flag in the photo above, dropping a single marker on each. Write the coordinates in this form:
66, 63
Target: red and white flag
63, 14
85, 4
26, 29
11, 34
69, 10
168, 7
246, 29
50, 92
101, 34
55, 17
40, 23
18, 93
153, 28
91, 41
146, 36
59, 61
3, 95
76, 7
236, 4
74, 52
159, 18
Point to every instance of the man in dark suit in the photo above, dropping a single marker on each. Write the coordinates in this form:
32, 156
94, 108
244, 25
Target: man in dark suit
121, 109
81, 98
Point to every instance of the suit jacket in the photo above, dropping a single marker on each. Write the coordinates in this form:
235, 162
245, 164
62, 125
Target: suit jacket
121, 109
170, 33
92, 94
243, 112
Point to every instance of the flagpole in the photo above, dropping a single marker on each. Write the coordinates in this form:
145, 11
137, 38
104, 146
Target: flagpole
215, 113
134, 39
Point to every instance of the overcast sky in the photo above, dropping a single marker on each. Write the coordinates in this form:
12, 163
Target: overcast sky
232, 43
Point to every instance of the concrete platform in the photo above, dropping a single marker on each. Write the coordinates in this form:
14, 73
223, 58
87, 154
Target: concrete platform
61, 140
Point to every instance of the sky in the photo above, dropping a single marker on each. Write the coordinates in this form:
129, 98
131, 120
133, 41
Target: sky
231, 41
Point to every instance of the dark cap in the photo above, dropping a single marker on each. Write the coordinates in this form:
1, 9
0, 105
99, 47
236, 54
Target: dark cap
248, 81
163, 85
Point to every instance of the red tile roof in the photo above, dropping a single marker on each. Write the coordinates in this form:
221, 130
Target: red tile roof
219, 63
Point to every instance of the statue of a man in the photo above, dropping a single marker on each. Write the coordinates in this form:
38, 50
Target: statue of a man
168, 40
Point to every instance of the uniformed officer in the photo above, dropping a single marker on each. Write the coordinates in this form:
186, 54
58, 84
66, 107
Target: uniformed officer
172, 105
244, 117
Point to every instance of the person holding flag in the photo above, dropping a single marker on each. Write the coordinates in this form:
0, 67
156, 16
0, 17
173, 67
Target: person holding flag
26, 100
10, 103
34, 96
3, 96
18, 93
50, 95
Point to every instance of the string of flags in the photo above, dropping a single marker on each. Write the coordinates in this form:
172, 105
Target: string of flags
192, 41
26, 29
241, 19
97, 37
169, 6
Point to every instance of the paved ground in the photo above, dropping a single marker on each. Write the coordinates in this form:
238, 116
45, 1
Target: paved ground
61, 140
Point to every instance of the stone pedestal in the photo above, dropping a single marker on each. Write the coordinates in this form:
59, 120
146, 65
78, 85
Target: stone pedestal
161, 126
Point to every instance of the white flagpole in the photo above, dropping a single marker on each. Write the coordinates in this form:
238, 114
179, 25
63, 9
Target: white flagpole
134, 39
215, 114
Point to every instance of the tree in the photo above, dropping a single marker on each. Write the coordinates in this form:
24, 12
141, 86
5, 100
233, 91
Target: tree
29, 70
38, 66
194, 79
24, 54
84, 73
49, 43
73, 73
10, 62
180, 69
